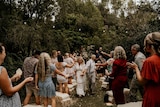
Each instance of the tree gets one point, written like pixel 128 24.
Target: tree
pixel 81 18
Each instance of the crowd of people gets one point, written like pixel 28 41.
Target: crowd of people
pixel 46 73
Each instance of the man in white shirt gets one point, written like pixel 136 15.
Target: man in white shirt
pixel 139 58
pixel 91 74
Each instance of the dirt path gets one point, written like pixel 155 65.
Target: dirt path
pixel 91 100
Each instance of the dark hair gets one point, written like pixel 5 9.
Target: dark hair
pixel 36 52
pixel 60 58
pixel 1 49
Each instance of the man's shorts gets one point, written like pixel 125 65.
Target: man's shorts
pixel 31 89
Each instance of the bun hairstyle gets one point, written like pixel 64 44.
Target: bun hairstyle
pixel 153 39
pixel 60 58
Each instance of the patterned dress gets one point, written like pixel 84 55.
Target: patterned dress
pixel 46 87
pixel 12 101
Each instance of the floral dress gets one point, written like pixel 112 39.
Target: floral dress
pixel 12 101
pixel 46 87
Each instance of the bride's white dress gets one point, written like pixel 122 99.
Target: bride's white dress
pixel 80 79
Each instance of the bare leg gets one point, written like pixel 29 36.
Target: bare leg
pixel 53 101
pixel 45 101
pixel 66 87
pixel 70 80
pixel 37 100
pixel 61 87
pixel 26 100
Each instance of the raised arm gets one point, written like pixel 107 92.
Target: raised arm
pixel 106 54
pixel 102 64
pixel 69 65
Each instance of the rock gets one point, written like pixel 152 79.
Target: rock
pixel 72 86
pixel 61 96
pixel 105 85
pixel 34 105
pixel 102 79
pixel 110 94
pixel 109 105
pixel 131 104
pixel 63 100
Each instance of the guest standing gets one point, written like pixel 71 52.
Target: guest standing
pixel 119 73
pixel 139 58
pixel 43 79
pixel 150 73
pixel 29 65
pixel 9 96
pixel 54 60
pixel 69 71
pixel 61 65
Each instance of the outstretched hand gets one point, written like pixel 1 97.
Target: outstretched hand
pixel 132 65
pixel 29 79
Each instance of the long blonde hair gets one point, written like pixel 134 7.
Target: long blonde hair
pixel 119 53
pixel 43 65
pixel 80 58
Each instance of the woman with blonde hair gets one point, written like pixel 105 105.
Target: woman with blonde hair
pixel 119 73
pixel 79 69
pixel 149 76
pixel 43 78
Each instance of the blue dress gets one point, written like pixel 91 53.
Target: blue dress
pixel 12 101
pixel 46 87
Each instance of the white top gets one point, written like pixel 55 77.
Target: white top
pixel 90 66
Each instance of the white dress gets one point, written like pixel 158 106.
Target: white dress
pixel 60 78
pixel 80 79
pixel 69 71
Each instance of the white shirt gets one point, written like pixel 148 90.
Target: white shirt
pixel 90 66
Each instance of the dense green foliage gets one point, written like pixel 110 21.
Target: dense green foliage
pixel 29 25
